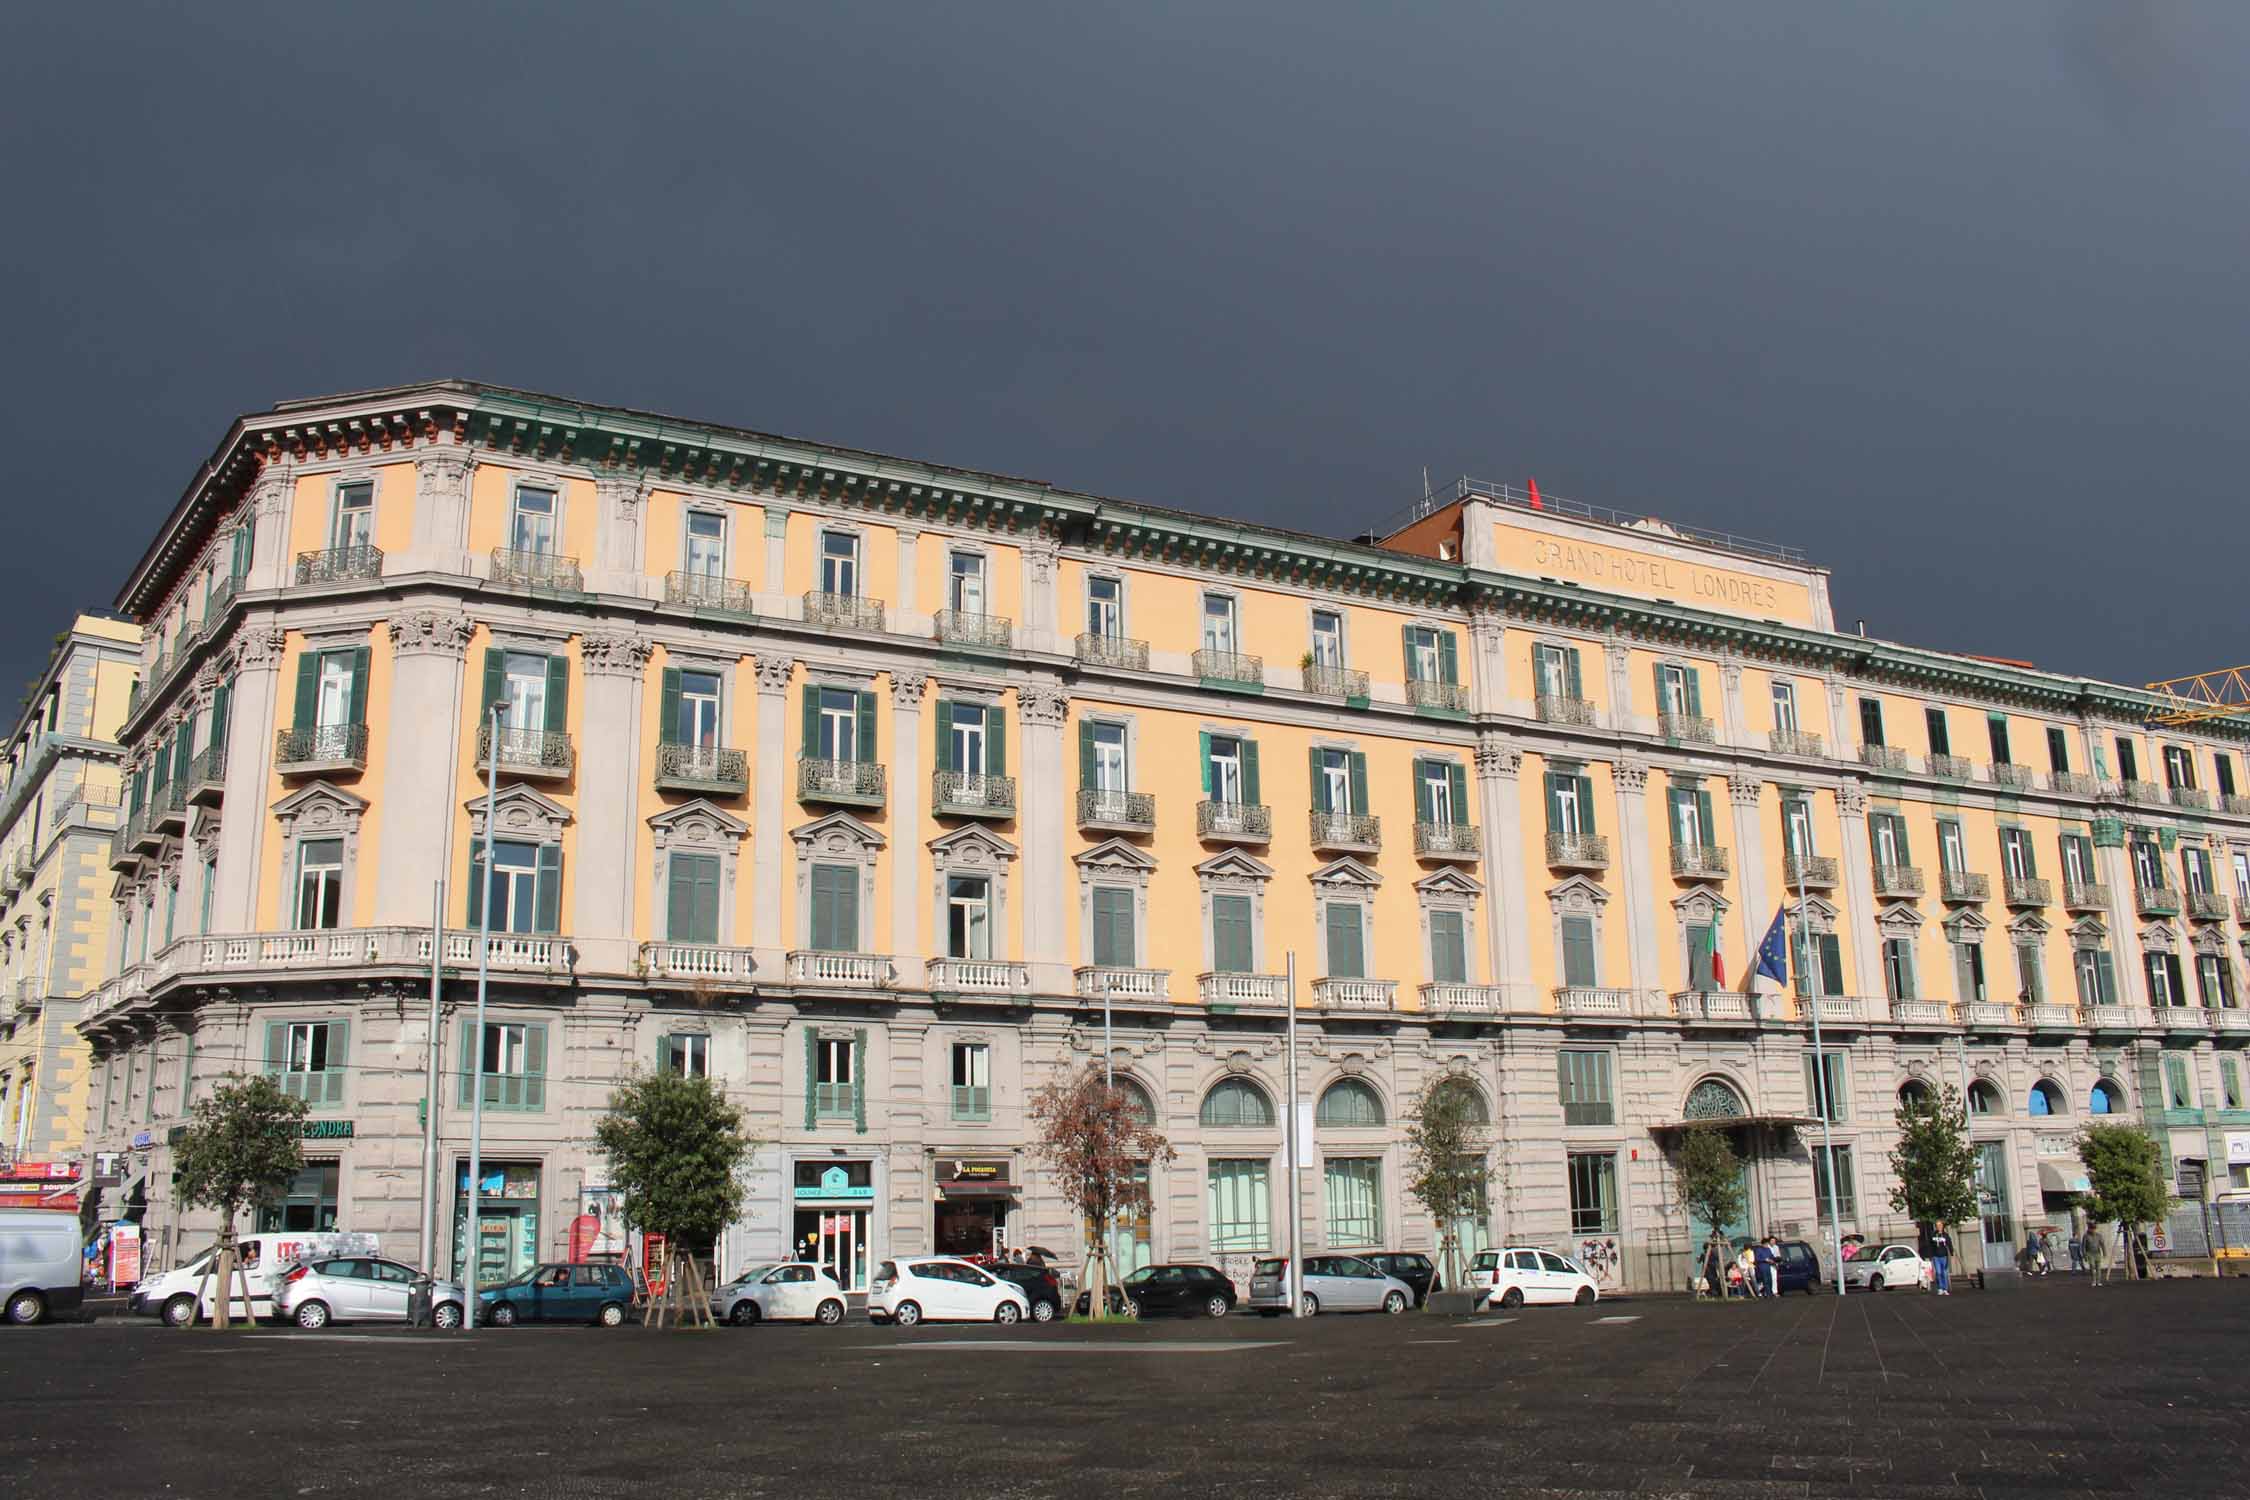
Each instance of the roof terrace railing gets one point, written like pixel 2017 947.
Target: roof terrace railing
pixel 1503 493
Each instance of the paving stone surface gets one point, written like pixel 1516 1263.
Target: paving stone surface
pixel 2057 1388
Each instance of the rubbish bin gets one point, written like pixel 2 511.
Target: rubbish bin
pixel 418 1302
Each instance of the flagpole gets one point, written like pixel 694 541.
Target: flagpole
pixel 1820 1066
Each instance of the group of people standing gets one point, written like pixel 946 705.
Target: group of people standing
pixel 1753 1271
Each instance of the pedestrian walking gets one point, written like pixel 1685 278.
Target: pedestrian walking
pixel 2095 1252
pixel 1941 1259
pixel 2077 1249
pixel 1762 1268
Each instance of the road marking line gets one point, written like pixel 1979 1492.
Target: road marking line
pixel 1620 1318
pixel 1487 1323
pixel 1433 1341
pixel 1080 1346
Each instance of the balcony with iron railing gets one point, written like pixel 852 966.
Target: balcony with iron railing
pixel 696 963
pixel 2009 774
pixel 1691 729
pixel 1564 708
pixel 1898 881
pixel 122 851
pixel 320 750
pixel 1797 742
pixel 1379 995
pixel 167 807
pixel 1232 669
pixel 2073 784
pixel 970 631
pixel 1588 1003
pixel 1335 682
pixel 712 770
pixel 2085 895
pixel 2192 797
pixel 978 976
pixel 1962 886
pixel 969 794
pixel 843 611
pixel 1233 822
pixel 2027 891
pixel 1102 982
pixel 1114 651
pixel 1438 697
pixel 1885 758
pixel 1459 841
pixel 2155 900
pixel 1699 862
pixel 2242 910
pixel 224 589
pixel 1258 991
pixel 339 565
pixel 1952 767
pixel 1346 833
pixel 207 775
pixel 710 594
pixel 1452 999
pixel 1812 871
pixel 1576 851
pixel 2146 792
pixel 822 969
pixel 849 783
pixel 1105 811
pixel 2206 906
pixel 543 754
pixel 529 568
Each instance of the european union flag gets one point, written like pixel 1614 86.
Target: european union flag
pixel 1773 953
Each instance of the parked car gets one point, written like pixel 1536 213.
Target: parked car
pixel 263 1257
pixel 39 1263
pixel 1527 1275
pixel 1891 1267
pixel 914 1287
pixel 794 1291
pixel 1799 1270
pixel 559 1293
pixel 1336 1283
pixel 1039 1283
pixel 358 1289
pixel 1186 1288
pixel 1482 1270
pixel 1415 1269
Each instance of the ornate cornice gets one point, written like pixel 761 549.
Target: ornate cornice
pixel 773 672
pixel 1498 758
pixel 613 655
pixel 432 632
pixel 1630 776
pixel 1045 706
pixel 1745 790
pixel 907 689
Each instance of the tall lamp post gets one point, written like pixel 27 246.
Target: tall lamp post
pixel 1820 1068
pixel 470 1237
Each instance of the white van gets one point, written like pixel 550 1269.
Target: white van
pixel 40 1264
pixel 171 1295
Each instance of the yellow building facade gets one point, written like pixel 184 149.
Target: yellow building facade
pixel 876 790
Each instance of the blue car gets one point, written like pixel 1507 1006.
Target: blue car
pixel 559 1293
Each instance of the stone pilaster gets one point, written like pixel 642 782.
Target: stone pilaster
pixel 1858 881
pixel 620 498
pixel 1752 914
pixel 1042 818
pixel 909 574
pixel 907 798
pixel 1488 691
pixel 2116 865
pixel 420 760
pixel 255 706
pixel 1041 563
pixel 768 839
pixel 1637 877
pixel 1507 935
pixel 1621 714
pixel 774 585
pixel 440 536
pixel 609 771
pixel 1732 729
pixel 270 494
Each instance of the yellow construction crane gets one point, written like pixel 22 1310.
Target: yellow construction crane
pixel 2206 695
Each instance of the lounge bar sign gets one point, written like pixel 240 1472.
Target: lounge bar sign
pixel 835 1183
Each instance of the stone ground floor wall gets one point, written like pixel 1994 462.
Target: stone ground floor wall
pixel 894 1167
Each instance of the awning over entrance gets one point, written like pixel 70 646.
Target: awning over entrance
pixel 960 1178
pixel 2061 1177
pixel 955 1192
pixel 1732 1122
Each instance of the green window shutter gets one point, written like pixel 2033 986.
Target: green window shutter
pixel 866 731
pixel 1703 816
pixel 1250 773
pixel 495 681
pixel 810 748
pixel 1406 643
pixel 668 715
pixel 547 909
pixel 1700 938
pixel 535 1066
pixel 222 704
pixel 1449 949
pixel 2106 967
pixel 1831 963
pixel 1203 757
pixel 1788 831
pixel 944 717
pixel 308 689
pixel 812 1076
pixel 706 908
pixel 1319 782
pixel 1457 780
pixel 1448 658
pixel 465 1063
pixel 183 750
pixel 558 694
pixel 1674 796
pixel 1578 952
pixel 995 740
pixel 679 899
pixel 277 1045
pixel 1359 783
pixel 1423 812
pixel 1113 928
pixel 245 543
pixel 1571 680
pixel 1586 805
pixel 358 711
pixel 1230 934
pixel 476 882
pixel 1554 800
pixel 820 930
pixel 1898 829
pixel 329 1088
pixel 1347 941
pixel 859 1080
pixel 1085 754
pixel 1694 693
pixel 1660 688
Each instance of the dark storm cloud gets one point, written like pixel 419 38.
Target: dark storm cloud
pixel 1949 296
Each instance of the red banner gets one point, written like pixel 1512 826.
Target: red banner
pixel 652 1262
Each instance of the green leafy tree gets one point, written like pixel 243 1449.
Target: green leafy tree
pixel 676 1149
pixel 1710 1176
pixel 243 1143
pixel 1096 1141
pixel 1446 1167
pixel 1934 1164
pixel 2125 1180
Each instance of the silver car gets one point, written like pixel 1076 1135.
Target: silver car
pixel 796 1290
pixel 358 1289
pixel 1333 1283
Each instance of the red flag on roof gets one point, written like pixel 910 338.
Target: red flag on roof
pixel 1535 505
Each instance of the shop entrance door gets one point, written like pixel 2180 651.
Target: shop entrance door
pixel 837 1238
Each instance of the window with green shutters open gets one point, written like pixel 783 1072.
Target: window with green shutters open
pixel 1449 948
pixel 2213 986
pixel 2222 766
pixel 1827 1086
pixel 687 1054
pixel 2058 751
pixel 308 1059
pixel 1230 770
pixel 1433 667
pixel 1702 943
pixel 1996 730
pixel 1898 969
pixel 1887 833
pixel 526 887
pixel 1578 961
pixel 1953 849
pixel 2164 979
pixel 2030 987
pixel 1555 672
pixel 1692 824
pixel 2015 854
pixel 2096 974
pixel 1797 829
pixel 1582 1075
pixel 1570 804
pixel 972 739
pixel 2077 859
pixel 514 1055
pixel 1823 973
pixel 1968 967
pixel 1339 782
pixel 1441 793
pixel 533 689
pixel 1679 691
pixel 1346 926
pixel 834 893
pixel 691 898
pixel 839 724
pixel 691 708
pixel 2128 760
pixel 2178 1092
pixel 1232 951
pixel 1114 943
pixel 330 722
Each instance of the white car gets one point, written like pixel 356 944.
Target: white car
pixel 1523 1274
pixel 914 1287
pixel 358 1289
pixel 1891 1267
pixel 796 1290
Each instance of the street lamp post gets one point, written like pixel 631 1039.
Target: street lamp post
pixel 470 1238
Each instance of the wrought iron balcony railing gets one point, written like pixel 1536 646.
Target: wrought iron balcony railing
pixel 1885 758
pixel 1234 822
pixel 1230 668
pixel 702 768
pixel 1797 742
pixel 1577 851
pixel 207 775
pixel 2027 890
pixel 2073 784
pixel 527 568
pixel 2191 797
pixel 2234 804
pixel 2141 791
pixel 843 611
pixel 2008 773
pixel 1561 708
pixel 2206 906
pixel 1898 880
pixel 1335 682
pixel 977 632
pixel 2156 901
pixel 339 565
pixel 1699 862
pixel 1447 841
pixel 705 591
pixel 1687 728
pixel 223 591
pixel 1348 832
pixel 1813 871
pixel 858 783
pixel 1116 812
pixel 971 795
pixel 1113 651
pixel 528 752
pixel 1954 767
pixel 1964 886
pixel 321 747
pixel 2085 895
pixel 1446 697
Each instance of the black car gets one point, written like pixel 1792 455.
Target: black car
pixel 1038 1283
pixel 1412 1267
pixel 1190 1290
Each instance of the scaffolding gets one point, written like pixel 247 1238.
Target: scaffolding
pixel 2206 695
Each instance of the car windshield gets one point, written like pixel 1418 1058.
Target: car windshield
pixel 751 1275
pixel 1268 1268
pixel 1143 1274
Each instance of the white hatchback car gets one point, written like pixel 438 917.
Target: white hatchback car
pixel 1891 1267
pixel 795 1290
pixel 1522 1274
pixel 358 1289
pixel 914 1287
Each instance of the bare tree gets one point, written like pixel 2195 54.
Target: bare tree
pixel 244 1142
pixel 1445 1162
pixel 1094 1138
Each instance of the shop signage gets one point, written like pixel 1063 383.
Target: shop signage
pixel 40 1171
pixel 109 1164
pixel 836 1182
pixel 124 1254
pixel 2238 1148
pixel 988 1173
pixel 327 1130
pixel 144 1140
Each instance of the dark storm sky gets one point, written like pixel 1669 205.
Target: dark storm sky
pixel 1950 295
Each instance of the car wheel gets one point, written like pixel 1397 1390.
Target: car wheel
pixel 829 1313
pixel 1007 1313
pixel 1512 1298
pixel 907 1314
pixel 1875 1282
pixel 1312 1305
pixel 612 1315
pixel 1585 1297
pixel 503 1316
pixel 1042 1312
pixel 446 1315
pixel 312 1314
pixel 743 1314
pixel 180 1311
pixel 1394 1302
pixel 1216 1307
pixel 26 1307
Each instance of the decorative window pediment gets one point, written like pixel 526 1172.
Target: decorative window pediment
pixel 2088 932
pixel 1447 883
pixel 2158 937
pixel 1899 922
pixel 1114 856
pixel 972 848
pixel 1966 927
pixel 1233 867
pixel 2028 928
pixel 1345 875
pixel 699 824
pixel 520 813
pixel 1577 896
pixel 1813 915
pixel 839 835
pixel 321 808
pixel 2209 940
pixel 1700 907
